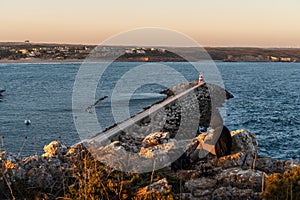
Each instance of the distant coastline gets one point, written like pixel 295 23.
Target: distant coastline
pixel 6 61
pixel 25 52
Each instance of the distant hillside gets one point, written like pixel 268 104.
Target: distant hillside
pixel 254 54
pixel 12 51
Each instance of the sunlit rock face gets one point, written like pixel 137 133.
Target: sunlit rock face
pixel 54 148
pixel 240 175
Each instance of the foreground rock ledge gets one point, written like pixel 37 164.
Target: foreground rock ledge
pixel 241 175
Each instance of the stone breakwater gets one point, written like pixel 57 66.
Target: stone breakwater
pixel 174 125
pixel 225 167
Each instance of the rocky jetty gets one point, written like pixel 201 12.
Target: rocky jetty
pixel 176 124
pixel 215 164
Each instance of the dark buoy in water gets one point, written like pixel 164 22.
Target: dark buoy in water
pixel 27 122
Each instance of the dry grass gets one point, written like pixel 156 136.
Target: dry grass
pixel 283 186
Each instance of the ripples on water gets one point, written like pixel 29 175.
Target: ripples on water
pixel 266 102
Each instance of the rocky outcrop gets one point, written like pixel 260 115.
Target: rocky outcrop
pixel 182 117
pixel 240 175
pixel 216 142
pixel 173 127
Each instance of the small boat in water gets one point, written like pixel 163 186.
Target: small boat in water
pixel 27 122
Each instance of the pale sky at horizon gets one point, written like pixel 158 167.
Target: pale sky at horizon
pixel 262 23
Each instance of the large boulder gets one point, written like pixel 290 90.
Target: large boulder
pixel 244 141
pixel 216 142
pixel 156 152
pixel 243 152
pixel 224 143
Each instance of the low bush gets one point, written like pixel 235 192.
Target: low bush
pixel 283 186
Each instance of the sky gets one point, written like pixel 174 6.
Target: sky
pixel 253 23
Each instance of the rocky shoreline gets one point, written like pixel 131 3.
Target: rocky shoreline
pixel 224 167
pixel 240 175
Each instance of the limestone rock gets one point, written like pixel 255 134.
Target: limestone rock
pixel 217 142
pixel 271 165
pixel 207 168
pixel 114 149
pixel 203 193
pixel 242 194
pixel 118 154
pixel 163 154
pixel 237 177
pixel 200 183
pixel 195 150
pixel 156 138
pixel 244 141
pixel 54 148
pixel 160 187
pixel 244 151
pixel 227 177
pixel 233 193
pixel 224 143
pixel 76 149
pixel 233 160
pixel 157 150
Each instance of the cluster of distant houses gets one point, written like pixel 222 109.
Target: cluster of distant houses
pixel 281 59
pixel 142 51
pixel 47 52
pixel 260 58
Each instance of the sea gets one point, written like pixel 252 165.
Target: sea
pixel 266 102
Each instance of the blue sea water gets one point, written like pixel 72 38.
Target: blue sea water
pixel 267 102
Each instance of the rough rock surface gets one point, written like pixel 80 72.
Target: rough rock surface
pixel 54 148
pixel 171 129
pixel 181 118
pixel 156 138
pixel 160 187
pixel 229 177
pixel 217 142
